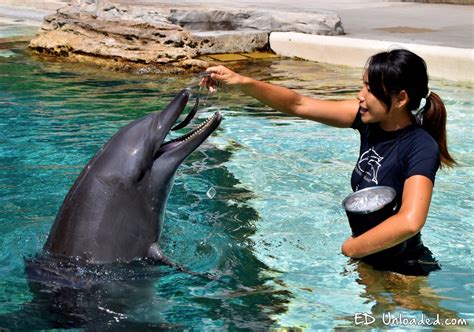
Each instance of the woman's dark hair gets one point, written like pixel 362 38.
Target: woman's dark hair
pixel 391 72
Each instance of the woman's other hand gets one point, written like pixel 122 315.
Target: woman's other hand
pixel 346 248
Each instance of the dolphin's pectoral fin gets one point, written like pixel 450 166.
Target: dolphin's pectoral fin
pixel 156 255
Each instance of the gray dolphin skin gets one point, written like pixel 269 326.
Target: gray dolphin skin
pixel 114 212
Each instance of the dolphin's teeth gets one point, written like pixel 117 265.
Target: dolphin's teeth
pixel 194 132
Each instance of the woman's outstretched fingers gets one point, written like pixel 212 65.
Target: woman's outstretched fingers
pixel 224 75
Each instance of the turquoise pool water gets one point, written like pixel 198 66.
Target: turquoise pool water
pixel 274 228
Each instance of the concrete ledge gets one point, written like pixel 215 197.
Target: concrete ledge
pixel 443 62
pixel 454 2
pixel 31 14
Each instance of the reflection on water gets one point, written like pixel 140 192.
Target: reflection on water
pixel 272 230
pixel 392 292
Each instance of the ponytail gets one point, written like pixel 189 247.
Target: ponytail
pixel 434 122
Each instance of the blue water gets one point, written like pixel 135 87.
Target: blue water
pixel 272 231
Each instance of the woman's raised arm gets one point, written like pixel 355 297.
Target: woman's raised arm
pixel 334 113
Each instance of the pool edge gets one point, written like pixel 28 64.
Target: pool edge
pixel 443 62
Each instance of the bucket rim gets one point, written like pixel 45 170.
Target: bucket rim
pixel 390 189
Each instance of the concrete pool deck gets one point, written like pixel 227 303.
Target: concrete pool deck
pixel 443 34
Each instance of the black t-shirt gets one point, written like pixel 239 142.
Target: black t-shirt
pixel 388 158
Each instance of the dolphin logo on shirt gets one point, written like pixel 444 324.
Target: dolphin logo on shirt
pixel 369 164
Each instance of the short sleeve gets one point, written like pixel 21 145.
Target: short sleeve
pixel 423 158
pixel 357 124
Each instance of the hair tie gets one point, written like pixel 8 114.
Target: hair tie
pixel 419 113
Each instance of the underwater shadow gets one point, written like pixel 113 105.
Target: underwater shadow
pixel 220 229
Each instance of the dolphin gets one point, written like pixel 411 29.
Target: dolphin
pixel 114 212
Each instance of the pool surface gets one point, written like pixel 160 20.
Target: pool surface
pixel 259 204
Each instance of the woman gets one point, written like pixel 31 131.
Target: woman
pixel 406 142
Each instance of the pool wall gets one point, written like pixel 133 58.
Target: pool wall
pixel 443 62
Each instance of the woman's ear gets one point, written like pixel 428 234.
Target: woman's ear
pixel 402 99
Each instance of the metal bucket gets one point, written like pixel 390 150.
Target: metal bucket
pixel 367 208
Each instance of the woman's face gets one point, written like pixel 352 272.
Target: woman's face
pixel 372 109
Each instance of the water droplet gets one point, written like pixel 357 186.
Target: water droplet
pixel 211 193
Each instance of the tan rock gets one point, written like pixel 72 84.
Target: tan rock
pixel 134 35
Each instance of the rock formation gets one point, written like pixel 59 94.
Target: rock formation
pixel 123 35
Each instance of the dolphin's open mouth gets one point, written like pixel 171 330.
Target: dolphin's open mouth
pixel 195 137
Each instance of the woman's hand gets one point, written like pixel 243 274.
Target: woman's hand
pixel 220 74
pixel 346 247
